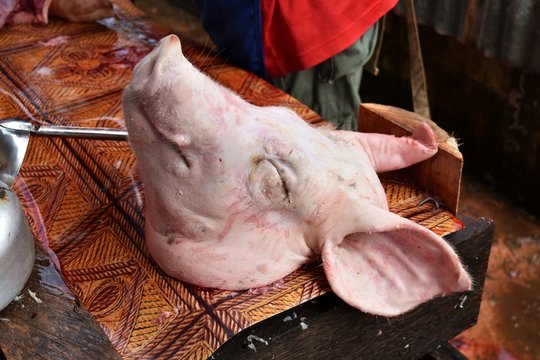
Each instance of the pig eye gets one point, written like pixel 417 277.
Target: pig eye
pixel 272 182
pixel 283 180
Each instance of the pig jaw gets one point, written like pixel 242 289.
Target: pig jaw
pixel 241 260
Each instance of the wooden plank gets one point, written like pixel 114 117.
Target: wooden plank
pixel 439 175
pixel 327 328
pixel 445 352
pixel 57 328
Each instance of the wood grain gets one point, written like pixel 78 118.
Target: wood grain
pixel 439 175
pixel 334 330
pixel 58 327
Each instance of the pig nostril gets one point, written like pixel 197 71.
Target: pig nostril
pixel 151 62
pixel 170 41
pixel 173 39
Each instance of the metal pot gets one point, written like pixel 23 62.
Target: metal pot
pixel 17 250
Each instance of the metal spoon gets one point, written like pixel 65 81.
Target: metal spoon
pixel 15 133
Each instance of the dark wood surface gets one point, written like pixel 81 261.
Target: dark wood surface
pixel 444 352
pixel 57 328
pixel 328 328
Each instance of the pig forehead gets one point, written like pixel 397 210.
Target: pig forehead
pixel 284 128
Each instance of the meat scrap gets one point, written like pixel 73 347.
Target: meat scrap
pixel 38 11
pixel 21 12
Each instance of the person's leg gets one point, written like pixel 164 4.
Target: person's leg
pixel 332 88
pixel 336 102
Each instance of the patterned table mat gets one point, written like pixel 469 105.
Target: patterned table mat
pixel 84 200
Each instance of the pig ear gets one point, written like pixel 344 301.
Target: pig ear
pixel 387 152
pixel 393 268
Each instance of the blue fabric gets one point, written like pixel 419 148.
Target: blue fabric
pixel 235 26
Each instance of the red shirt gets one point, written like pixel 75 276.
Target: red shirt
pixel 301 34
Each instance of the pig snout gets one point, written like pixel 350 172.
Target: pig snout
pixel 156 64
pixel 239 196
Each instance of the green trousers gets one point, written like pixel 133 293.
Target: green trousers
pixel 332 88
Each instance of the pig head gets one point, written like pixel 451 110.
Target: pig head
pixel 239 196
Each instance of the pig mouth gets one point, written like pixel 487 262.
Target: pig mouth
pixel 176 147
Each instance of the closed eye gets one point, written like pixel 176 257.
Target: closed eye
pixel 283 179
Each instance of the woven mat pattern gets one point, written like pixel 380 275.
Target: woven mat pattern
pixel 85 203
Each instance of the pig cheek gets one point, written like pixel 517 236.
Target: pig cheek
pixel 321 219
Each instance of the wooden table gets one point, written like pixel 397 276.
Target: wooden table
pixel 84 203
pixel 322 328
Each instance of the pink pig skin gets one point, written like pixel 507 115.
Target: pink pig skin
pixel 239 196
